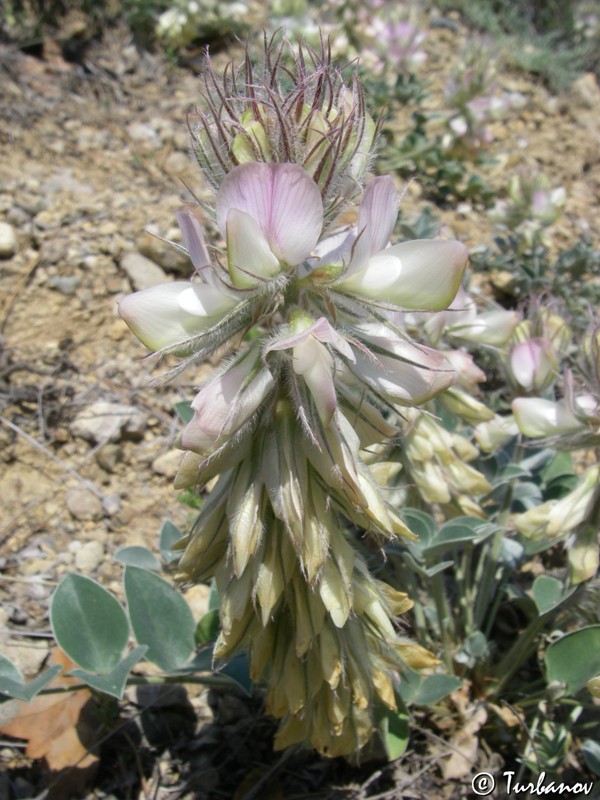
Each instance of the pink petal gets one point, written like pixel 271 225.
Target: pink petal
pixel 469 374
pixel 321 330
pixel 532 362
pixel 283 199
pixel 400 368
pixel 193 239
pixel 225 403
pixel 314 362
pixel 376 219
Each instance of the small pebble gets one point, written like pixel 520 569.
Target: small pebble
pixel 109 456
pixel 83 504
pixel 106 422
pixel 65 284
pixel 8 240
pixel 167 464
pixel 142 272
pixel 111 504
pixel 89 557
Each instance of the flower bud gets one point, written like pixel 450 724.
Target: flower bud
pixel 318 121
pixel 492 434
pixel 583 554
pixel 466 406
pixel 555 329
pixel 591 353
pixel 252 143
pixel 557 518
pixel 533 364
pixel 593 687
pixel 226 402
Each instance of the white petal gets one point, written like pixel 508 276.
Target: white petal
pixel 418 375
pixel 422 274
pixel 538 417
pixel 204 301
pixel 249 255
pixel 491 327
pixel 158 320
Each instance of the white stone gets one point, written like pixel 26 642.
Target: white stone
pixel 89 557
pixel 586 92
pixel 83 504
pixel 107 422
pixel 144 134
pixel 168 463
pixel 142 272
pixel 112 504
pixel 8 240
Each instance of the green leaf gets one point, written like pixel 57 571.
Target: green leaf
pixel 167 538
pixel 560 487
pixel 511 552
pixel 113 683
pixel 137 556
pixel 528 493
pixel 160 618
pixel 201 662
pixel 88 623
pixel 395 731
pixel 431 571
pixel 208 628
pixel 13 686
pixel 427 689
pixel 509 473
pixel 420 523
pixel 458 532
pixel 477 644
pixel 237 672
pixel 560 465
pixel 184 411
pixel 591 754
pixel 10 671
pixel 547 593
pixel 575 658
pixel 538 459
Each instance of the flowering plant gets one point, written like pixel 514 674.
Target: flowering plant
pixel 318 366
pixel 185 21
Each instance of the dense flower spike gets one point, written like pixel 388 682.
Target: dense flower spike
pixel 318 122
pixel 320 373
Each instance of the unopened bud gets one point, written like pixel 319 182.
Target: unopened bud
pixel 583 554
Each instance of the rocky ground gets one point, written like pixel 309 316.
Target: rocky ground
pixel 94 159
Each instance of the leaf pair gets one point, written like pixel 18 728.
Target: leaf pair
pixel 93 628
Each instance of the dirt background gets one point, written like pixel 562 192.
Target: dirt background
pixel 93 154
